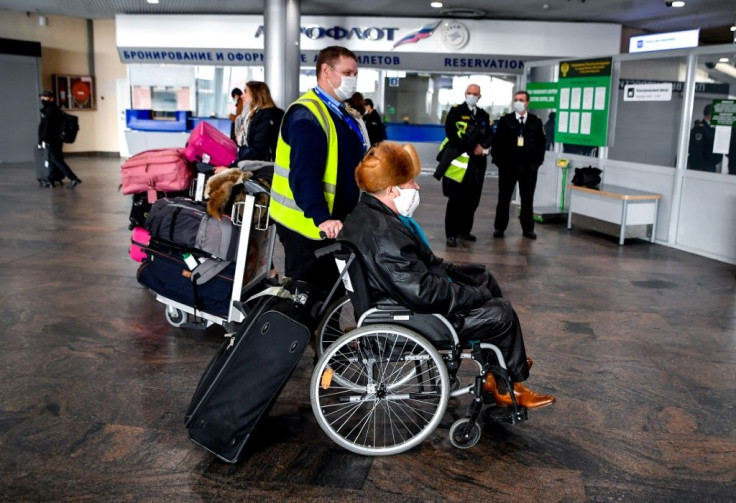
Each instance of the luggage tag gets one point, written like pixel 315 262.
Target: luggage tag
pixel 152 195
pixel 190 261
pixel 520 141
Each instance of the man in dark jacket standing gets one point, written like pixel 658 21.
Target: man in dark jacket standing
pixel 373 123
pixel 401 267
pixel 518 151
pixel 462 164
pixel 700 149
pixel 49 132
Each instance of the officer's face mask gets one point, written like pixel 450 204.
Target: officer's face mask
pixel 519 107
pixel 407 201
pixel 471 100
pixel 347 87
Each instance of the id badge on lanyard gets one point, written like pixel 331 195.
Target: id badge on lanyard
pixel 519 141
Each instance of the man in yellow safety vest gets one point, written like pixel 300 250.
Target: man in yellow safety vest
pixel 314 187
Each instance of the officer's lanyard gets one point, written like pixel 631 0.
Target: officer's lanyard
pixel 522 123
pixel 342 113
pixel 520 138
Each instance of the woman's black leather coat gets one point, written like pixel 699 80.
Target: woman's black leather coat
pixel 398 261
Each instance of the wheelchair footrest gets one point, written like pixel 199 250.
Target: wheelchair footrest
pixel 505 414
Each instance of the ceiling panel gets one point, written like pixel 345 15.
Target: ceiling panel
pixel 713 16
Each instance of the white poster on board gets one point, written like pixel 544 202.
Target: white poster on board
pixel 575 99
pixel 722 140
pixel 562 122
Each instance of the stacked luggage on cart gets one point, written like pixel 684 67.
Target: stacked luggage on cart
pixel 198 258
pixel 205 244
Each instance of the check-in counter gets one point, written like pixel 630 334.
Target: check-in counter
pixel 148 130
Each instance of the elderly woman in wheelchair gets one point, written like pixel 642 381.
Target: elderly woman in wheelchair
pixel 383 387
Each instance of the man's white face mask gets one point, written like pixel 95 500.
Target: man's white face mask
pixel 347 88
pixel 407 201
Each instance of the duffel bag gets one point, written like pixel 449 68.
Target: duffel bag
pixel 160 170
pixel 185 223
pixel 165 272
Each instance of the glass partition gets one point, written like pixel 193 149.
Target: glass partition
pixel 648 104
pixel 712 139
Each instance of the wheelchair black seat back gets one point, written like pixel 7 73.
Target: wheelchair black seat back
pixel 385 374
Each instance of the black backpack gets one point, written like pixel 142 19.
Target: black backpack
pixel 587 177
pixel 69 127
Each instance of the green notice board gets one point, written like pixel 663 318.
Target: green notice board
pixel 724 113
pixel 542 95
pixel 584 93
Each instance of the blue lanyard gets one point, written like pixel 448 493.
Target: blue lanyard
pixel 342 113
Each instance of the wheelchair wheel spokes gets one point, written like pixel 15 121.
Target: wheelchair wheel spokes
pixel 380 389
pixel 339 319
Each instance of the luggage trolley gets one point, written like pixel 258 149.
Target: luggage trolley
pixel 179 314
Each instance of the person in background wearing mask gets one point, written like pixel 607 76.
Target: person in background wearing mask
pixel 518 151
pixel 314 188
pixel 462 164
pixel 49 132
pixel 401 267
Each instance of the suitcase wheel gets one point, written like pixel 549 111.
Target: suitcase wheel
pixel 176 317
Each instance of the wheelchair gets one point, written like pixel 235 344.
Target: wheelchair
pixel 386 374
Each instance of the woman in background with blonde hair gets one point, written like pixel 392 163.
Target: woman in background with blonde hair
pixel 258 129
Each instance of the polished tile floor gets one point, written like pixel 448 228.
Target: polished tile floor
pixel 638 343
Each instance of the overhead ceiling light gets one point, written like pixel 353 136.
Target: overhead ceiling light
pixel 463 12
pixel 733 28
pixel 675 3
pixel 152 1
pixel 436 5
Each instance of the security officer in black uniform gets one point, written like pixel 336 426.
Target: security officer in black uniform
pixel 518 151
pixel 700 150
pixel 462 164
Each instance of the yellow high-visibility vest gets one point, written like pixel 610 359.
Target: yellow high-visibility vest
pixel 458 167
pixel 282 207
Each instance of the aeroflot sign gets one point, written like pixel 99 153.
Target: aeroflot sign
pixel 400 43
pixel 339 33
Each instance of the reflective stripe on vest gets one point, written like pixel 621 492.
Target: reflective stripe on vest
pixel 458 167
pixel 282 206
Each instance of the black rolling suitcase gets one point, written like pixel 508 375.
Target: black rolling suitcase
pixel 246 376
pixel 46 173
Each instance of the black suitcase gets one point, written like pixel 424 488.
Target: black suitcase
pixel 246 376
pixel 166 273
pixel 47 174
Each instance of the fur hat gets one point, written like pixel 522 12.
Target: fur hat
pixel 387 164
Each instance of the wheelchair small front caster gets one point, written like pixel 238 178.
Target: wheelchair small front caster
pixel 464 434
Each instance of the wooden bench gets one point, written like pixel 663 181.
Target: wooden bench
pixel 617 205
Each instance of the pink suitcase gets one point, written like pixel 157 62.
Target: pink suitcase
pixel 139 240
pixel 207 144
pixel 162 170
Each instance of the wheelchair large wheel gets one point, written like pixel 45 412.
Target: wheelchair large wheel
pixel 369 405
pixel 339 319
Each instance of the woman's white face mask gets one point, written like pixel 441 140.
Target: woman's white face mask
pixel 407 201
